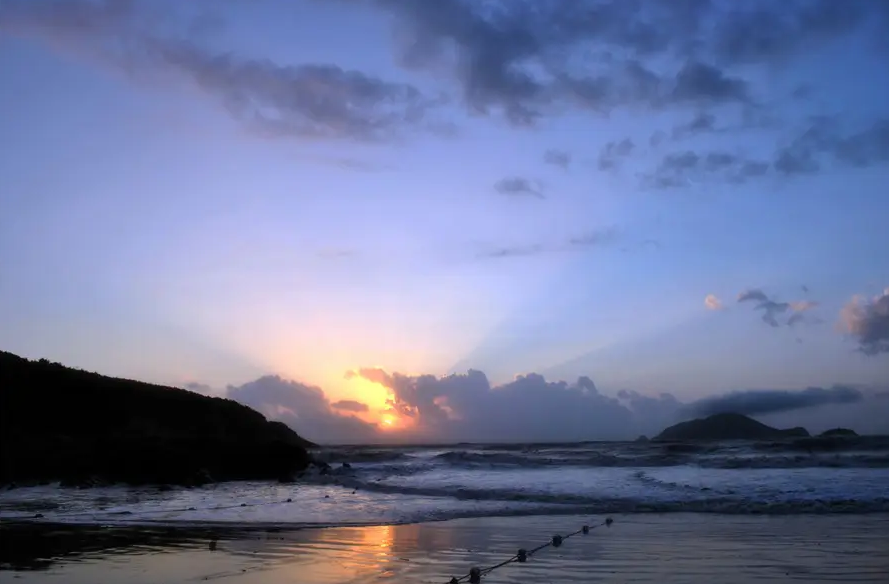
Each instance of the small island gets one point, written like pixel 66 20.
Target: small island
pixel 80 428
pixel 727 427
pixel 839 433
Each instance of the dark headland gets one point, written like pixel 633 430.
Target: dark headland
pixel 63 424
pixel 727 427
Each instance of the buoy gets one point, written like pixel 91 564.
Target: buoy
pixel 522 556
pixel 475 576
pixel 557 540
pixel 585 529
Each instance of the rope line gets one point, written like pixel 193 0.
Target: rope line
pixel 475 574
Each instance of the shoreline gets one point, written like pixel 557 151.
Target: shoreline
pixel 648 547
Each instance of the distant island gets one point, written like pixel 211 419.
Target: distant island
pixel 63 424
pixel 727 427
pixel 839 433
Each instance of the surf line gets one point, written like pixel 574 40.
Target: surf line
pixel 475 574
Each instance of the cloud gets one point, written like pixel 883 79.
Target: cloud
pixel 703 122
pixel 465 407
pixel 867 321
pixel 513 59
pixel 560 158
pixel 527 59
pixel 823 144
pixel 350 405
pixel 773 310
pixel 513 251
pixel 713 303
pixel 519 187
pixel 315 101
pixel 759 402
pixel 757 32
pixel 597 237
pixel 613 153
pixel 304 408
pixel 703 83
pixel 593 238
pixel 686 168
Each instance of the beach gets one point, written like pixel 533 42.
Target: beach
pixel 636 548
pixel 683 512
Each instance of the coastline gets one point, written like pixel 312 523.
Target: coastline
pixel 678 547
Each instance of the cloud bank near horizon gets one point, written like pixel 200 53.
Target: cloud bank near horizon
pixel 467 408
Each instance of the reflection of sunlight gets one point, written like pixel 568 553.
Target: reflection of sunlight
pixel 348 554
pixel 379 537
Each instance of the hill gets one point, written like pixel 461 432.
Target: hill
pixel 60 423
pixel 839 433
pixel 727 427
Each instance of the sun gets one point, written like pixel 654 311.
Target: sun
pixel 388 421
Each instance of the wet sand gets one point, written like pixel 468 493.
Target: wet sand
pixel 713 549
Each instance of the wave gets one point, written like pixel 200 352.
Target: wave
pixel 360 455
pixel 491 460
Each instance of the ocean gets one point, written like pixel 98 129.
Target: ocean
pixel 408 484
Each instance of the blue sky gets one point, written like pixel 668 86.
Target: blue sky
pixel 209 194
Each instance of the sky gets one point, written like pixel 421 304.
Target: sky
pixel 401 220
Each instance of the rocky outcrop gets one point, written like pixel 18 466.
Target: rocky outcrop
pixel 82 428
pixel 727 427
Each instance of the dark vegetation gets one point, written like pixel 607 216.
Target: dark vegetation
pixel 727 427
pixel 82 428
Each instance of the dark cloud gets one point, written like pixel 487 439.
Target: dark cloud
pixel 702 123
pixel 674 171
pixel 759 402
pixel 350 405
pixel 749 169
pixel 519 187
pixel 703 83
pixel 761 31
pixel 823 143
pixel 527 58
pixel 685 168
pixel 773 311
pixel 515 57
pixel 303 407
pixel 867 321
pixel 715 161
pixel 317 101
pixel 613 153
pixel 560 158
